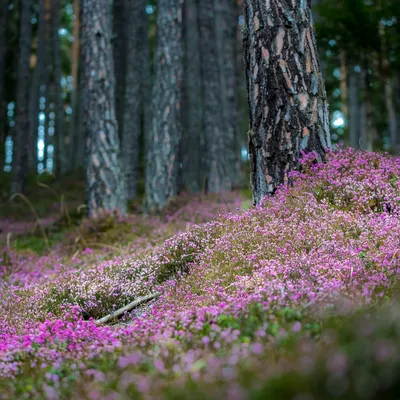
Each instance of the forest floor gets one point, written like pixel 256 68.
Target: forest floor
pixel 294 299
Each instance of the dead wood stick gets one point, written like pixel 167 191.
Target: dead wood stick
pixel 126 308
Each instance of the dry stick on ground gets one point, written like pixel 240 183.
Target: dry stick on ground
pixel 127 308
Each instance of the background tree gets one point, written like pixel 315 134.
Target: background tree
pixel 163 156
pixel 3 49
pixel 105 191
pixel 216 163
pixel 192 148
pixel 22 129
pixel 62 148
pixel 287 99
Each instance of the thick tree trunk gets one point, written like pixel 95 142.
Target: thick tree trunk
pixel 105 188
pixel 61 145
pixel 192 149
pixel 3 51
pixel 163 157
pixel 217 170
pixel 135 14
pixel 119 42
pixel 40 77
pixel 354 108
pixel 287 99
pixel 22 133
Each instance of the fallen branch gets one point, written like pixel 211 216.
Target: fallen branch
pixel 127 308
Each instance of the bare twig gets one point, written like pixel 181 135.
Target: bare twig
pixel 127 308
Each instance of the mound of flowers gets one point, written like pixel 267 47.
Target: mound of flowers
pixel 256 303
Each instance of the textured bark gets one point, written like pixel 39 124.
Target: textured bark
pixel 3 50
pixel 215 160
pixel 40 77
pixel 61 145
pixel 22 134
pixel 192 148
pixel 226 20
pixel 119 53
pixel 135 35
pixel 163 162
pixel 286 93
pixel 105 188
pixel 354 108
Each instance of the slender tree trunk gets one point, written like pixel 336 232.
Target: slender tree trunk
pixel 365 143
pixel 192 148
pixel 135 13
pixel 354 108
pixel 163 158
pixel 392 118
pixel 22 132
pixel 61 145
pixel 40 76
pixel 74 128
pixel 105 188
pixel 287 99
pixel 3 51
pixel 343 85
pixel 217 169
pixel 119 52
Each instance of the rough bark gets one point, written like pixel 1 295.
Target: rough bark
pixel 22 133
pixel 286 93
pixel 61 145
pixel 192 148
pixel 119 42
pixel 135 35
pixel 40 76
pixel 215 160
pixel 163 158
pixel 105 188
pixel 3 50
pixel 354 108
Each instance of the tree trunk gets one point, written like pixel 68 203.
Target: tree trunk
pixel 217 169
pixel 119 42
pixel 3 51
pixel 61 145
pixel 105 188
pixel 135 13
pixel 286 92
pixel 163 157
pixel 192 148
pixel 354 108
pixel 392 118
pixel 75 130
pixel 22 132
pixel 226 20
pixel 40 77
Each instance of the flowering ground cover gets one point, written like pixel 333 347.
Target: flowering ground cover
pixel 293 299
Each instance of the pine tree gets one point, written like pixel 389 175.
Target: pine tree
pixel 105 186
pixel 286 92
pixel 163 156
pixel 22 133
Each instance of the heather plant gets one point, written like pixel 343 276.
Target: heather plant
pixel 292 299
